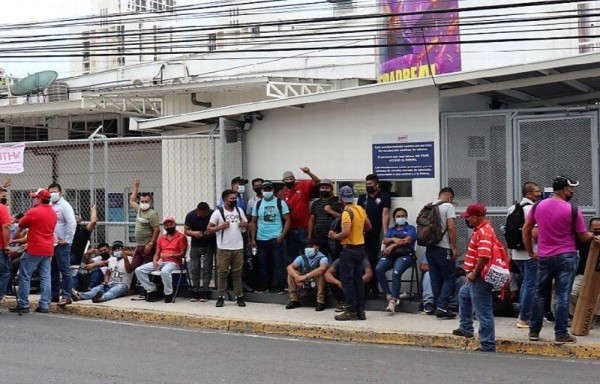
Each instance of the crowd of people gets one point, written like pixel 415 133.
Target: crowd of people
pixel 282 242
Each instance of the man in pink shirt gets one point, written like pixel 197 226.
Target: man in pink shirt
pixel 40 222
pixel 558 223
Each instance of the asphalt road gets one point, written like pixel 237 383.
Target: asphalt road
pixel 51 348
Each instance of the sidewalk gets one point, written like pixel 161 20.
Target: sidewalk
pixel 380 327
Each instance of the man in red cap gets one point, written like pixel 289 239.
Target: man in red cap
pixel 476 294
pixel 40 222
pixel 170 251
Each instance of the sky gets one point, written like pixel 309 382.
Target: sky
pixel 19 11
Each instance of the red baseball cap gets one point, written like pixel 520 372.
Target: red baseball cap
pixel 475 209
pixel 41 193
pixel 169 219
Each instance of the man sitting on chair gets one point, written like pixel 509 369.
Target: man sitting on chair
pixel 170 251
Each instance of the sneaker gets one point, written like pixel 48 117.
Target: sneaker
pixel 240 301
pixel 247 289
pixel 404 296
pixel 283 292
pixel 460 332
pixel 153 296
pixel 75 295
pixel 429 308
pixel 549 317
pixel 346 315
pixel 65 301
pixel 18 309
pixel 361 315
pixel 522 324
pixel 220 301
pixel 445 314
pixel 293 304
pixel 391 307
pixel 320 307
pixel 340 307
pixel 565 339
pixel 98 297
pixel 169 298
pixel 534 336
pixel 41 310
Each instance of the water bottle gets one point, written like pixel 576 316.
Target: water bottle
pixel 254 251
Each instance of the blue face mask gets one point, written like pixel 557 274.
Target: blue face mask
pixel 400 221
pixel 268 195
pixel 310 252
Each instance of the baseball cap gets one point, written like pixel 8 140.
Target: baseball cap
pixel 267 184
pixel 239 180
pixel 475 209
pixel 169 219
pixel 41 193
pixel 287 174
pixel 325 182
pixel 346 194
pixel 561 182
pixel 117 244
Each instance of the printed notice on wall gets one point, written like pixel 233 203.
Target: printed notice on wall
pixel 403 160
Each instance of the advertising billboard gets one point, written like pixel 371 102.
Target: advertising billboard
pixel 421 39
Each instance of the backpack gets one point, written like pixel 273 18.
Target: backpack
pixel 497 271
pixel 279 207
pixel 335 247
pixel 237 209
pixel 429 225
pixel 513 230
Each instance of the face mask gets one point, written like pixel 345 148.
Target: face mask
pixel 105 255
pixel 309 252
pixel 3 201
pixel 170 231
pixel 54 197
pixel 241 189
pixel 144 206
pixel 569 197
pixel 468 224
pixel 289 184
pixel 258 190
pixel 324 194
pixel 117 254
pixel 371 190
pixel 233 203
pixel 400 220
pixel 268 195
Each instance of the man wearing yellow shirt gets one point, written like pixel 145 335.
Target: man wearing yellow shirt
pixel 354 224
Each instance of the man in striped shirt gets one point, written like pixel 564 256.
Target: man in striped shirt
pixel 476 294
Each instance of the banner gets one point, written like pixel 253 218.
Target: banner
pixel 411 41
pixel 403 160
pixel 11 158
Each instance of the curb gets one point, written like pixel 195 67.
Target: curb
pixel 346 334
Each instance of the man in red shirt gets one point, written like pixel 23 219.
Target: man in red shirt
pixel 170 251
pixel 476 294
pixel 40 222
pixel 297 196
pixel 5 221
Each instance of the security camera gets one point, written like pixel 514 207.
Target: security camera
pixel 259 116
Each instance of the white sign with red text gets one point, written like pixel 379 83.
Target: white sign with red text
pixel 11 158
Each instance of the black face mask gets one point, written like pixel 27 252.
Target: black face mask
pixel 3 201
pixel 569 197
pixel 258 190
pixel 468 224
pixel 233 203
pixel 371 190
pixel 170 231
pixel 290 184
pixel 324 194
pixel 105 255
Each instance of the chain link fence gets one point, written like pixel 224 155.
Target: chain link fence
pixel 179 171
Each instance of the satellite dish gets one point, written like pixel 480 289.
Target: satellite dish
pixel 33 83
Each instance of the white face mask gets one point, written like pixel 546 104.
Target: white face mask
pixel 144 206
pixel 117 254
pixel 54 197
pixel 241 189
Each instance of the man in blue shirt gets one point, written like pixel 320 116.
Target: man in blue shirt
pixel 307 271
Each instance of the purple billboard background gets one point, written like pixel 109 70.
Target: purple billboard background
pixel 409 58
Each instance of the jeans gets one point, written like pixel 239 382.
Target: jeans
pixel 528 270
pixel 61 271
pixel 227 258
pixel 201 266
pixel 351 272
pixel 399 265
pixel 26 268
pixel 294 243
pixel 477 295
pixel 442 272
pixel 5 267
pixel 428 292
pixel 270 257
pixel 143 274
pixel 112 291
pixel 562 269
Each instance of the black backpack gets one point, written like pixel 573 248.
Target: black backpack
pixel 279 207
pixel 335 248
pixel 429 225
pixel 513 229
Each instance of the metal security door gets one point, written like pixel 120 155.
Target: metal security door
pixel 558 145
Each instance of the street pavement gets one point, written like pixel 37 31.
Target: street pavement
pixel 380 327
pixel 65 349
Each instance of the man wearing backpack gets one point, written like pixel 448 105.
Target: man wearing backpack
pixel 270 224
pixel 441 249
pixel 307 272
pixel 323 212
pixel 476 294
pixel 514 240
pixel 558 224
